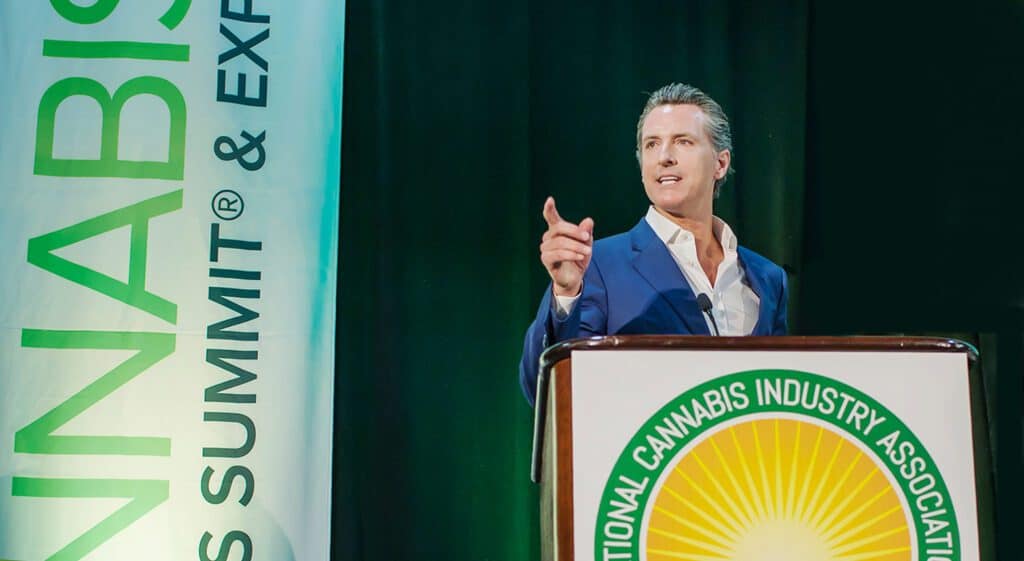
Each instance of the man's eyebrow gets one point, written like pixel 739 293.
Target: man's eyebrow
pixel 676 135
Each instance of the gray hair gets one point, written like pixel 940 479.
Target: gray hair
pixel 716 125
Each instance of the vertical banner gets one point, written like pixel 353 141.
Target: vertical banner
pixel 168 234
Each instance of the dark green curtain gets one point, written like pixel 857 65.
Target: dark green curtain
pixel 872 148
pixel 432 436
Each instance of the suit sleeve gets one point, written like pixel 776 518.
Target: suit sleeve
pixel 781 326
pixel 587 318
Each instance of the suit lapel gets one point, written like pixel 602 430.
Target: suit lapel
pixel 760 285
pixel 655 264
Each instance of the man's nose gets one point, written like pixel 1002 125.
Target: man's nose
pixel 665 156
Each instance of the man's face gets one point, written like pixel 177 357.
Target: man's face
pixel 678 162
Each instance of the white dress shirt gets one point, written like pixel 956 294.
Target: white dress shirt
pixel 733 303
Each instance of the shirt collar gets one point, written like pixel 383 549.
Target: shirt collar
pixel 670 233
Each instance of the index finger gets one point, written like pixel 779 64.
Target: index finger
pixel 550 212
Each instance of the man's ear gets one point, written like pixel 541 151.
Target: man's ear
pixel 724 161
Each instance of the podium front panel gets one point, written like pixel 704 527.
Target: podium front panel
pixel 727 454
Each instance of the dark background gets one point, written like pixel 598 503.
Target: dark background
pixel 878 160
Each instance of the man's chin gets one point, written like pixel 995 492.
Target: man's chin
pixel 678 207
pixel 678 202
pixel 674 205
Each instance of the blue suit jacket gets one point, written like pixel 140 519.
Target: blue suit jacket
pixel 634 286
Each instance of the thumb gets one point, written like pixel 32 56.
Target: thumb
pixel 588 226
pixel 550 212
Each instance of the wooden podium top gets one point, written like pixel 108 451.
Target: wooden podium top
pixel 562 350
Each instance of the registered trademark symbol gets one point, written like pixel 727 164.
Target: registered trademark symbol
pixel 227 204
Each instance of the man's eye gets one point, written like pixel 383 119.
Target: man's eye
pixel 649 144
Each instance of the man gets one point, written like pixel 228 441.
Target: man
pixel 649 280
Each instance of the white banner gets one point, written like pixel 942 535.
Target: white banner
pixel 168 235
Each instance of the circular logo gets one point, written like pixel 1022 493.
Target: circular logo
pixel 775 465
pixel 227 204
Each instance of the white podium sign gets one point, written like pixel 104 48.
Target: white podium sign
pixel 706 455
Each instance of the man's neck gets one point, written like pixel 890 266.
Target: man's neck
pixel 700 225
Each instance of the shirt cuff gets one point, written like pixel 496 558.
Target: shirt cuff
pixel 563 305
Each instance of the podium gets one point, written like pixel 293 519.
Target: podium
pixel 664 448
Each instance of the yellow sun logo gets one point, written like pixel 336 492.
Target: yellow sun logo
pixel 777 490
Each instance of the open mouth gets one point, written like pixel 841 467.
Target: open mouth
pixel 668 179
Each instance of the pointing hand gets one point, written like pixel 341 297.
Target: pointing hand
pixel 565 250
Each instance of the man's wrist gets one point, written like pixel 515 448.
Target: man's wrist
pixel 566 292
